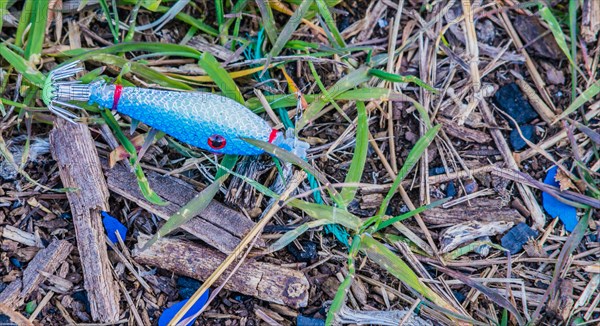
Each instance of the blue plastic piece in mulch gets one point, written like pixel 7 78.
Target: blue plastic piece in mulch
pixel 308 321
pixel 16 262
pixel 567 214
pixel 517 237
pixel 112 225
pixel 450 189
pixel 170 312
pixel 187 286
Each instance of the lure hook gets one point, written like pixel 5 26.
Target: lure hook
pixel 58 90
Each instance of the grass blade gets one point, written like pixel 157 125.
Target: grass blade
pixel 3 11
pixel 268 20
pixel 401 79
pixel 349 81
pixel 148 193
pixel 111 23
pixel 24 21
pixel 213 68
pixel 292 235
pixel 359 157
pixel 364 94
pixel 292 158
pixel 22 66
pixel 186 212
pixel 153 47
pixel 340 296
pixel 493 295
pixel 141 70
pixel 411 160
pixel 289 28
pixel 556 30
pixel 407 215
pixel 331 214
pixel 394 265
pixel 326 14
pixel 587 95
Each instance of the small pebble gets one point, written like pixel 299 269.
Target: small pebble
pixel 471 186
pixel 516 142
pixel 5 320
pixel 81 296
pixel 306 254
pixel 510 100
pixel 187 286
pixel 459 296
pixel 308 321
pixel 517 237
pixel 437 170
pixel 382 23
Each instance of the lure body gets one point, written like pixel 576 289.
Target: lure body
pixel 209 121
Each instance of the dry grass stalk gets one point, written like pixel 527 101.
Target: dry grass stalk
pixel 473 54
pixel 536 102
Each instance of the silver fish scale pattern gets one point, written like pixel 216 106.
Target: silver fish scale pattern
pixel 191 117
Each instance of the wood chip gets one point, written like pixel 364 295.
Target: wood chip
pixel 74 149
pixel 480 210
pixel 217 225
pixel 467 232
pixel 46 261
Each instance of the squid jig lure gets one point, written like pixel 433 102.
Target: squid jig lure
pixel 205 120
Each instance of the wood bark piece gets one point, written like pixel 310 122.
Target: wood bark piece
pixel 461 132
pixel 480 210
pixel 463 233
pixel 590 20
pixel 15 317
pixel 217 225
pixel 264 281
pixel 73 148
pixel 45 261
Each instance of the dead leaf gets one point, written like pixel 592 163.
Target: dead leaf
pixel 531 30
pixel 120 153
pixel 563 179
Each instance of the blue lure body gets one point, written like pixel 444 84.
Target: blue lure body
pixel 195 118
pixel 205 120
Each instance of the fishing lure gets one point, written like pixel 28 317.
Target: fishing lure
pixel 205 120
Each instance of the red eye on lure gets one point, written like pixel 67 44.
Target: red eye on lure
pixel 216 141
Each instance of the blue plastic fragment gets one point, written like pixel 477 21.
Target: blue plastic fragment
pixel 16 262
pixel 517 237
pixel 170 312
pixel 308 321
pixel 112 225
pixel 567 214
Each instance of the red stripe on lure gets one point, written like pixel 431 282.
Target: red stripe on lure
pixel 117 96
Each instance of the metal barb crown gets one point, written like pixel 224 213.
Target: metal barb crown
pixel 58 91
